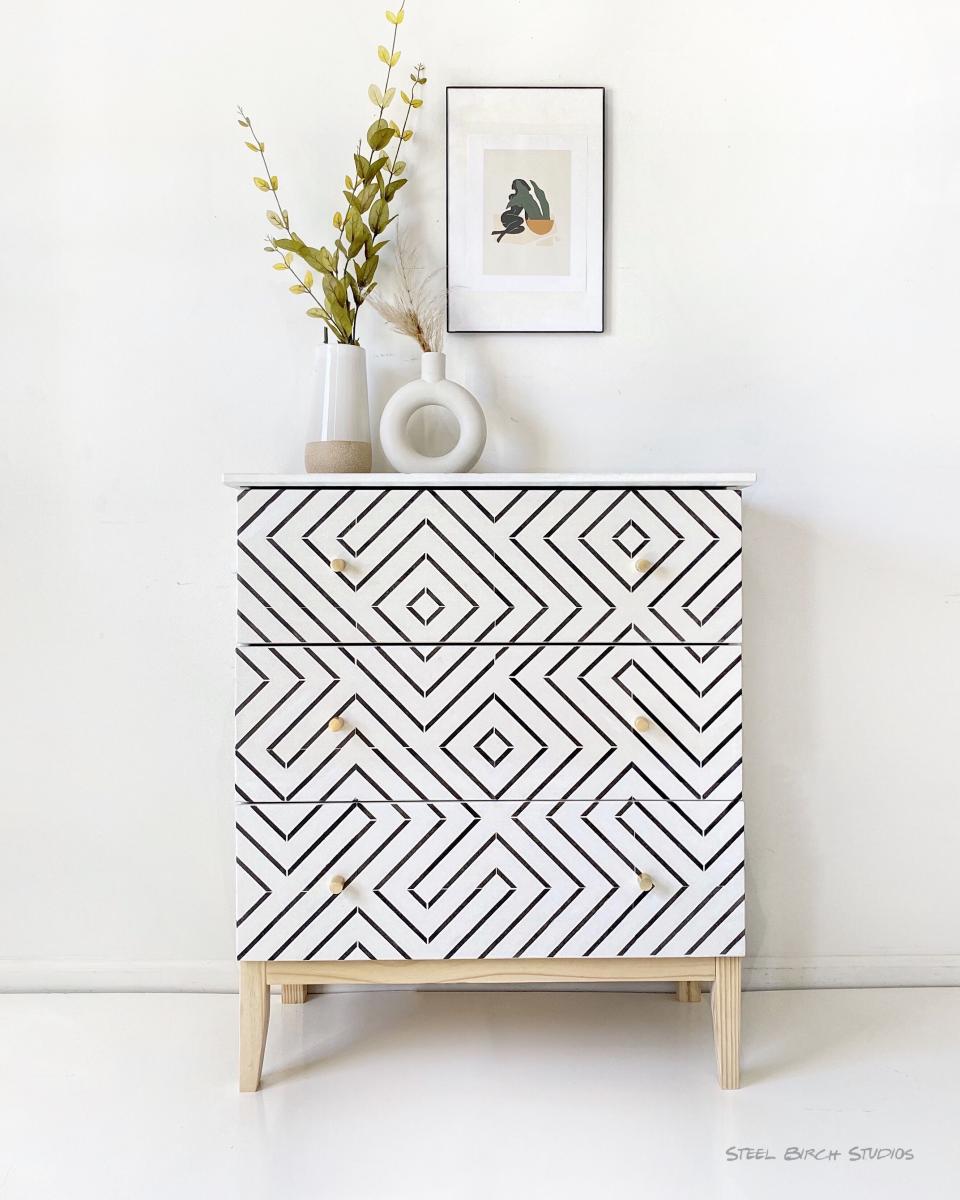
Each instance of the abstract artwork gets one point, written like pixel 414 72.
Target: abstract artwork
pixel 525 209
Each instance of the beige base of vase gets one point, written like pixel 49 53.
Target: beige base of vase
pixel 338 458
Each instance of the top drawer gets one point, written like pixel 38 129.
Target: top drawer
pixel 488 565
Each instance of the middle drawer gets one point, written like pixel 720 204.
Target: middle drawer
pixel 318 723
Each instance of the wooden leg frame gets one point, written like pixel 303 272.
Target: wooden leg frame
pixel 688 973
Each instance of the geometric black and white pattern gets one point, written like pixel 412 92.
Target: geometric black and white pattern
pixel 489 565
pixel 488 723
pixel 486 792
pixel 490 880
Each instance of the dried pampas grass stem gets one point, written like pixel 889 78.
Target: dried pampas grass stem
pixel 416 310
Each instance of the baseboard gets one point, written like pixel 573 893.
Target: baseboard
pixel 759 974
pixel 70 975
pixel 764 974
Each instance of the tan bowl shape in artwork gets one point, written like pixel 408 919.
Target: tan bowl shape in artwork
pixel 539 225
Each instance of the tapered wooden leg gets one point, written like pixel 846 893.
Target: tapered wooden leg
pixel 293 993
pixel 254 1019
pixel 688 991
pixel 725 1006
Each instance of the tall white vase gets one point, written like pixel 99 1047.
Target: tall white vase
pixel 432 387
pixel 338 433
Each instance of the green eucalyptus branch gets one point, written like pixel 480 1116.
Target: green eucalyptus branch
pixel 393 47
pixel 347 278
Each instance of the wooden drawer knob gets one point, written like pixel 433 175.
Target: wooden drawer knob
pixel 336 884
pixel 337 564
pixel 641 724
pixel 642 564
pixel 335 724
pixel 645 883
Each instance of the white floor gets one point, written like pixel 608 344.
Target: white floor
pixel 457 1095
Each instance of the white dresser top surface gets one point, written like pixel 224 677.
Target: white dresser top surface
pixel 668 479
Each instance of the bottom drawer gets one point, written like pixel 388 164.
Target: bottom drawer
pixel 541 879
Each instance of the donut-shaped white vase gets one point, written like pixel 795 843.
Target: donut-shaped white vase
pixel 432 388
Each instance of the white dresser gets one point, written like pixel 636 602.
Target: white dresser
pixel 489 730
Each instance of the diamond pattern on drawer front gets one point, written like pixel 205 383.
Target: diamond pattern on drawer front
pixel 490 880
pixel 421 569
pixel 484 723
pixel 480 565
pixel 286 540
pixel 577 551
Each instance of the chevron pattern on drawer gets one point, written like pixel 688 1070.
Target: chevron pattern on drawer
pixel 490 880
pixel 486 565
pixel 484 723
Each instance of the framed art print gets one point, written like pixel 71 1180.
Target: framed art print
pixel 525 209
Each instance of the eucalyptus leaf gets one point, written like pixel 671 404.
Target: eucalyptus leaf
pixel 342 318
pixel 353 225
pixel 379 134
pixel 379 216
pixel 373 167
pixel 366 270
pixel 393 188
pixel 367 196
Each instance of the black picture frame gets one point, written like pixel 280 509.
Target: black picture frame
pixel 603 217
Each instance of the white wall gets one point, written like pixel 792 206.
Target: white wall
pixel 783 251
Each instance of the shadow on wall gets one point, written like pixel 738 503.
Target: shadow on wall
pixel 513 443
pixel 777 694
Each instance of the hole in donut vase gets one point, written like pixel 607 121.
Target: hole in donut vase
pixel 432 430
pixel 431 390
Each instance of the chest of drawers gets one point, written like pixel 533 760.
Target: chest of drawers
pixel 488 729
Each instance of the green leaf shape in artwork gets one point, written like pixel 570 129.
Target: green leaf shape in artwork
pixel 541 200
